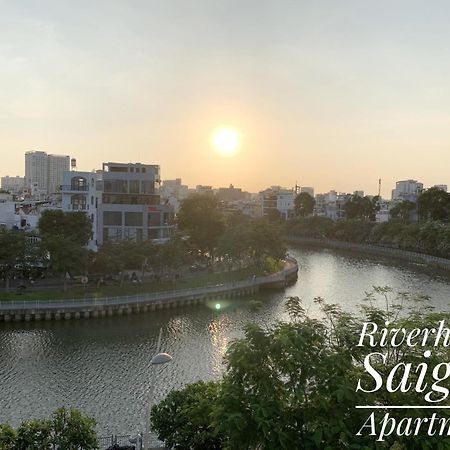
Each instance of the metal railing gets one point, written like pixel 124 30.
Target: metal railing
pixel 152 297
pixel 106 442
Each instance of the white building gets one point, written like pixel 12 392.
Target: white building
pixel 407 190
pixel 382 215
pixel 173 192
pixel 442 187
pixel 15 185
pixel 44 173
pixel 122 201
pixel 57 165
pixel 277 199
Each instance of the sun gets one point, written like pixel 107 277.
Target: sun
pixel 226 141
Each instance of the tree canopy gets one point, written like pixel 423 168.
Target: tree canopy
pixel 434 204
pixel 202 219
pixel 65 430
pixel 304 204
pixel 294 384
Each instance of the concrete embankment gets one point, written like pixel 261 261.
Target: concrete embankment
pixel 68 309
pixel 374 250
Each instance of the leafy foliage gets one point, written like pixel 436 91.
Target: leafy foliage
pixel 201 217
pixel 304 204
pixel 65 430
pixel 191 423
pixel 293 385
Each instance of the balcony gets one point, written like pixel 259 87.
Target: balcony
pixel 74 188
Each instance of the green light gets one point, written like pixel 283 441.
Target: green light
pixel 218 306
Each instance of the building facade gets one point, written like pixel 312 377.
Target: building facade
pixel 122 200
pixel 15 185
pixel 407 190
pixel 44 173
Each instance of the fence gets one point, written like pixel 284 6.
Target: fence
pixel 106 442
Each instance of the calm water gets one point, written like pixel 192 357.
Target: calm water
pixel 102 366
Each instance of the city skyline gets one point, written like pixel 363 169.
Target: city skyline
pixel 328 95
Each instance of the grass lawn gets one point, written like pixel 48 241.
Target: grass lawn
pixel 134 288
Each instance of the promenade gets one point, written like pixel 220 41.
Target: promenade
pixel 92 307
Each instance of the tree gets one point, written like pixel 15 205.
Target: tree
pixel 363 208
pixel 191 412
pixel 201 218
pixel 434 204
pixel 75 226
pixel 8 437
pixel 65 430
pixel 73 431
pixel 12 253
pixel 34 435
pixel 294 384
pixel 402 211
pixel 65 236
pixel 304 204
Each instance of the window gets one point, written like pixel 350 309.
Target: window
pixel 78 202
pixel 147 187
pixel 115 186
pixel 134 187
pixel 153 233
pixel 154 219
pixel 112 218
pixel 133 219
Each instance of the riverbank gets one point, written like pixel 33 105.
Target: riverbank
pixel 404 255
pixel 94 307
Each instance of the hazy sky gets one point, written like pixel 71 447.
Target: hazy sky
pixel 333 94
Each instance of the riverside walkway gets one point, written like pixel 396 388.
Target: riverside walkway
pixel 27 310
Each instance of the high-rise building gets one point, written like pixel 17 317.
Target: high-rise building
pixel 407 190
pixel 15 185
pixel 36 170
pixel 57 165
pixel 45 172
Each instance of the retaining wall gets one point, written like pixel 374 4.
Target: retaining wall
pixel 374 249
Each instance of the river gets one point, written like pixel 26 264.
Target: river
pixel 102 366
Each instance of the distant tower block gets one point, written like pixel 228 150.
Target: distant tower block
pixel 73 164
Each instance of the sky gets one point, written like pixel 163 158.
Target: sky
pixel 333 94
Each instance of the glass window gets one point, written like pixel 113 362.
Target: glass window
pixel 133 219
pixel 147 187
pixel 112 218
pixel 134 187
pixel 154 219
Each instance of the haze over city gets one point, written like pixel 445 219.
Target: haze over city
pixel 330 94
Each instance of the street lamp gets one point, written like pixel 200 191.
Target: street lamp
pixel 157 360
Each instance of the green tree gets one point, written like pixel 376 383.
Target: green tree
pixel 34 435
pixel 363 208
pixel 73 431
pixel 12 253
pixel 65 430
pixel 434 204
pixel 304 204
pixel 293 385
pixel 202 219
pixel 65 236
pixel 8 437
pixel 402 211
pixel 191 424
pixel 75 226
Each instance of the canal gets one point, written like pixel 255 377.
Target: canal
pixel 102 366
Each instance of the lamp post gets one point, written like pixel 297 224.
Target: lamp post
pixel 157 360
